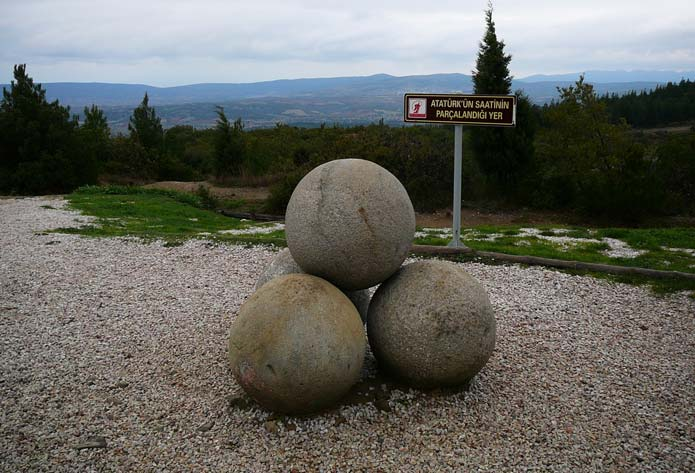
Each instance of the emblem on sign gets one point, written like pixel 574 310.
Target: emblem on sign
pixel 417 108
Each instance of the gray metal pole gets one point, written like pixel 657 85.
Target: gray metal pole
pixel 458 159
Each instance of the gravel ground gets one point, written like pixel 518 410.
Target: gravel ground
pixel 113 358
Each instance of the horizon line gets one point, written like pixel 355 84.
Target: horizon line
pixel 550 75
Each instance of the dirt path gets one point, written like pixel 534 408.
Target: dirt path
pixel 249 194
pixel 470 217
pixel 439 219
pixel 474 217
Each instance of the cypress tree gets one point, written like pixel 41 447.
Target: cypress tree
pixel 492 67
pixel 503 154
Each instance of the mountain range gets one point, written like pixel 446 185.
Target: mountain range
pixel 310 102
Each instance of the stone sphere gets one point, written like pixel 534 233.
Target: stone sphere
pixel 280 265
pixel 360 299
pixel 283 263
pixel 297 344
pixel 432 325
pixel 350 221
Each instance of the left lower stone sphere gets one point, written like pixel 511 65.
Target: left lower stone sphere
pixel 297 344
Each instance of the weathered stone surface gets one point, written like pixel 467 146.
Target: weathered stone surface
pixel 431 324
pixel 283 264
pixel 297 344
pixel 351 222
pixel 360 299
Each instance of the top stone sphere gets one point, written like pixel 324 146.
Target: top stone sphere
pixel 350 221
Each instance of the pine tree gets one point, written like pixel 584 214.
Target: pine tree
pixel 503 154
pixel 145 127
pixel 229 144
pixel 40 150
pixel 95 133
pixel 95 121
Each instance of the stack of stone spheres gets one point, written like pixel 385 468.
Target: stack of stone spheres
pixel 298 343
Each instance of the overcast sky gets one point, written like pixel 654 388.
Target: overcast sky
pixel 174 42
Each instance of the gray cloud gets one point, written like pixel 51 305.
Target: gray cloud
pixel 166 42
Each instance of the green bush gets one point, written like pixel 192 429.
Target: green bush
pixel 281 192
pixel 207 199
pixel 675 163
pixel 173 169
pixel 586 162
pixel 128 158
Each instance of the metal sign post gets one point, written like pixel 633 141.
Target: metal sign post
pixel 459 110
pixel 458 164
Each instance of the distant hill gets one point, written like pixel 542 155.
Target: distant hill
pixel 545 92
pixel 616 76
pixel 310 102
pixel 78 94
pixel 267 112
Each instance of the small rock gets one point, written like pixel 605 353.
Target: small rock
pixel 238 402
pixel 114 401
pixel 206 427
pixel 340 420
pixel 232 444
pixel 382 404
pixel 122 384
pixel 92 442
pixel 271 426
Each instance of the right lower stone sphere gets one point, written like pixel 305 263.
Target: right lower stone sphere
pixel 431 325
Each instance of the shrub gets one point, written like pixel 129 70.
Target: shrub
pixel 207 199
pixel 587 162
pixel 675 163
pixel 281 192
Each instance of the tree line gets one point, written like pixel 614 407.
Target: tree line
pixel 670 103
pixel 574 153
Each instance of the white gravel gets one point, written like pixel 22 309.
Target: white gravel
pixel 123 344
pixel 616 248
pixel 687 251
pixel 257 230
